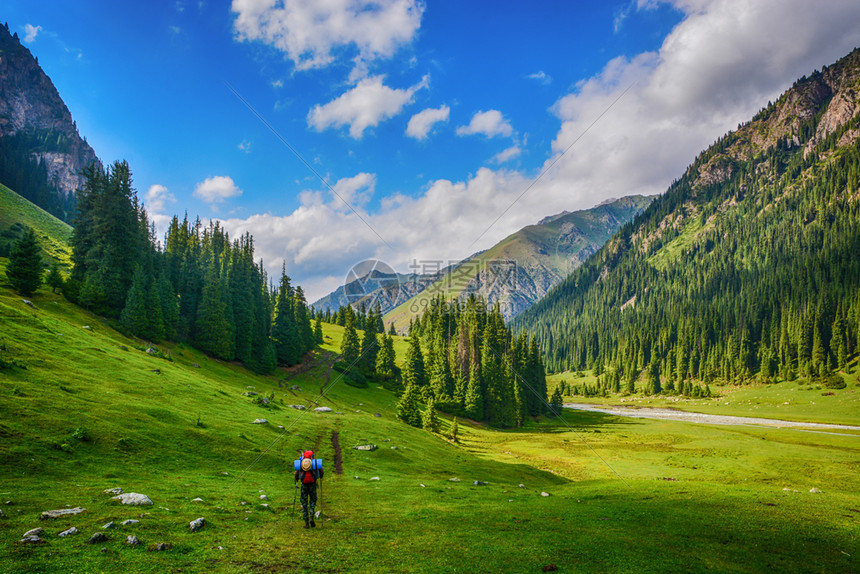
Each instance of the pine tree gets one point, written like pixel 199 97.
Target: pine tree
pixel 413 369
pixel 285 334
pixel 429 419
pixel 455 428
pixel 350 349
pixel 134 315
pixel 407 407
pixel 385 366
pixel 369 349
pixel 391 330
pixel 24 270
pixel 54 280
pixel 556 403
pixel 318 333
pixel 474 400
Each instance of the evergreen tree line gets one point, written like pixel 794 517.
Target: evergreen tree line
pixel 463 360
pixel 369 356
pixel 199 287
pixel 28 176
pixel 363 318
pixel 769 288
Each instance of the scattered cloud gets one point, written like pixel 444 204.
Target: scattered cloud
pixel 175 29
pixel 421 123
pixel 490 123
pixel 245 146
pixel 507 155
pixel 716 68
pixel 156 199
pixel 541 77
pixel 30 33
pixel 216 189
pixel 308 32
pixel 278 84
pixel 364 106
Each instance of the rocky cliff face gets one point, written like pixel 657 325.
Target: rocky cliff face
pixel 29 103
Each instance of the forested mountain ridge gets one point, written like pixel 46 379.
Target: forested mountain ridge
pixel 524 266
pixel 748 266
pixel 41 152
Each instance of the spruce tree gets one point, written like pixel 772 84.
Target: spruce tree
pixel 350 349
pixel 54 280
pixel 455 428
pixel 413 369
pixel 369 349
pixel 474 400
pixel 318 333
pixel 407 406
pixel 429 419
pixel 285 334
pixel 24 270
pixel 556 403
pixel 385 366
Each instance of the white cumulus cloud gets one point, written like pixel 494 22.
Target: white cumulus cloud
pixel 30 32
pixel 421 123
pixel 308 32
pixel 507 154
pixel 364 106
pixel 541 77
pixel 216 189
pixel 490 123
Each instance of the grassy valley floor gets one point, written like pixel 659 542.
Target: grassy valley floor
pixel 625 495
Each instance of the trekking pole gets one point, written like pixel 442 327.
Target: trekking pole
pixel 321 500
pixel 293 511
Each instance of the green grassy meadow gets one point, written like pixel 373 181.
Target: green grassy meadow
pixel 625 495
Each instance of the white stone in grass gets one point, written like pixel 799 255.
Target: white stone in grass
pixel 196 525
pixel 62 512
pixel 260 422
pixel 455 479
pixel 264 497
pixel 422 486
pixel 480 483
pixel 815 491
pixel 68 532
pixel 132 540
pixel 34 532
pixel 116 490
pixel 133 499
pixel 198 499
pixel 375 478
pixel 130 521
pixel 31 540
pixel 97 537
pixel 544 494
pixel 109 525
pixel 322 410
pixel 2 514
pixel 297 407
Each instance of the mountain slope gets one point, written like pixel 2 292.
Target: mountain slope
pixel 524 266
pixel 747 266
pixel 41 152
pixel 16 212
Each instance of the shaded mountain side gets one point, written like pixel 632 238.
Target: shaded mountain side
pixel 41 152
pixel 746 267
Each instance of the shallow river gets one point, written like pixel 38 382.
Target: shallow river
pixel 674 415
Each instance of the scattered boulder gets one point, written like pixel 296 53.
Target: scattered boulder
pixel 259 422
pixel 522 485
pixel 133 499
pixel 97 537
pixel 48 514
pixel 31 540
pixel 198 499
pixel 116 490
pixel 132 540
pixel 2 514
pixel 367 447
pixel 28 303
pixel 162 546
pixel 264 497
pixel 109 525
pixel 130 521
pixel 377 415
pixel 480 483
pixel 322 410
pixel 295 388
pixel 375 478
pixel 544 494
pixel 815 491
pixel 455 479
pixel 196 525
pixel 34 532
pixel 394 448
pixel 282 427
pixel 151 350
pixel 297 407
pixel 264 505
pixel 249 394
pixel 68 532
pixel 86 327
pixel 265 400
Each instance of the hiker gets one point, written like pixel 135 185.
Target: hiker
pixel 308 477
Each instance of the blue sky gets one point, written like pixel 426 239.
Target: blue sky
pixel 428 118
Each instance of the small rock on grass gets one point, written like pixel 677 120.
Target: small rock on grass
pixel 455 479
pixel 130 521
pixel 68 532
pixel 544 494
pixel 116 490
pixel 480 483
pixel 322 410
pixel 815 491
pixel 34 532
pixel 162 546
pixel 132 540
pixel 109 525
pixel 31 540
pixel 198 499
pixel 196 525
pixel 133 499
pixel 2 514
pixel 259 422
pixel 97 537
pixel 48 514
pixel 375 478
